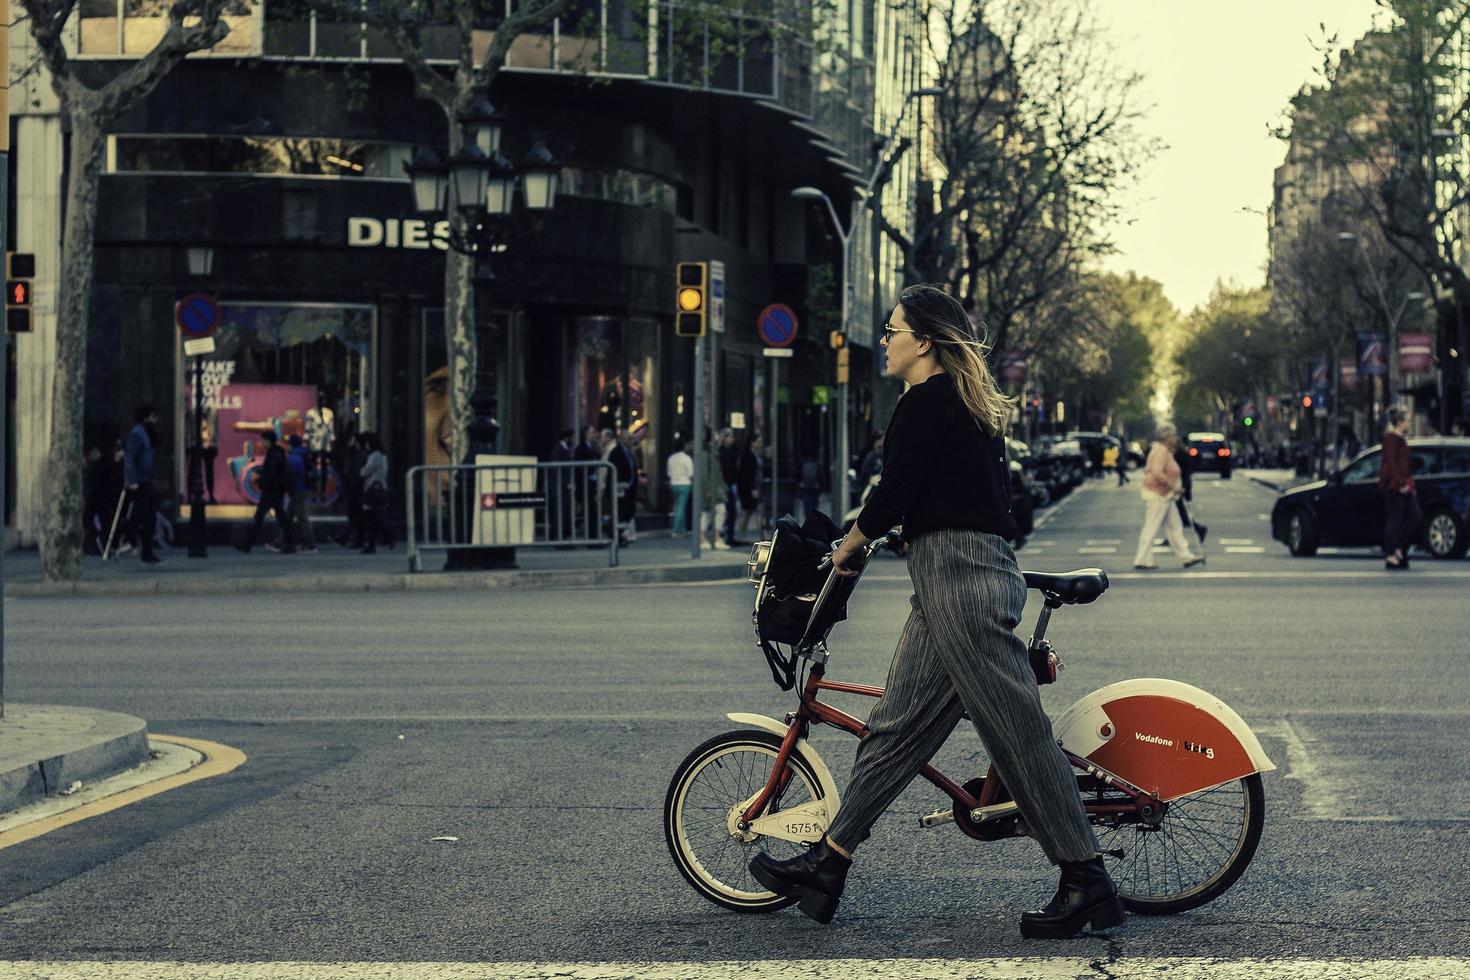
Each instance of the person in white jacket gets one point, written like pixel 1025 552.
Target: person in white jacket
pixel 680 468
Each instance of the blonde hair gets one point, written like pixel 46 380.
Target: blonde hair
pixel 937 316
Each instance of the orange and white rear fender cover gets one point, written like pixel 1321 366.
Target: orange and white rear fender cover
pixel 1163 736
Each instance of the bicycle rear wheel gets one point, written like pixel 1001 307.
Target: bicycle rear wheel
pixel 1193 855
pixel 708 848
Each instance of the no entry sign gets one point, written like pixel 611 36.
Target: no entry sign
pixel 197 315
pixel 777 325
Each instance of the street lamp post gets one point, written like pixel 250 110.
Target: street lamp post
pixel 474 190
pixel 1390 316
pixel 867 197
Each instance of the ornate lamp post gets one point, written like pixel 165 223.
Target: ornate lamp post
pixel 475 190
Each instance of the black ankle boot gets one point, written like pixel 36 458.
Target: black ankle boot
pixel 1086 894
pixel 815 877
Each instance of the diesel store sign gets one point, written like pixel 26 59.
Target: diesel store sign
pixel 397 233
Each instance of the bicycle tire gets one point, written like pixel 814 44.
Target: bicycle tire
pixel 1209 827
pixel 717 855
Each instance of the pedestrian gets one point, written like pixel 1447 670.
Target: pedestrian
pixel 625 465
pixel 1110 461
pixel 809 486
pixel 1163 483
pixel 872 463
pixel 138 457
pixel 1396 484
pixel 299 465
pixel 374 493
pixel 946 480
pixel 560 490
pixel 752 480
pixel 273 478
pixel 716 497
pixel 680 468
pixel 729 457
pixel 352 493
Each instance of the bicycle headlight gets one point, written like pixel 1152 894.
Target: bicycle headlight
pixel 760 557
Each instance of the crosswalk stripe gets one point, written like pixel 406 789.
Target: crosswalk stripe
pixel 1020 968
pixel 1237 549
pixel 1237 540
pixel 1097 551
pixel 1104 540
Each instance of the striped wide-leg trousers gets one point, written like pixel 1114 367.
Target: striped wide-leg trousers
pixel 959 652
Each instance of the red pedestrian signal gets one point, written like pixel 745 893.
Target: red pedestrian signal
pixel 17 293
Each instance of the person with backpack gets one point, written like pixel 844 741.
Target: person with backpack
pixel 299 463
pixel 273 477
pixel 374 492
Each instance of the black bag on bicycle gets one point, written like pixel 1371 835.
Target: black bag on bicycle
pixel 787 593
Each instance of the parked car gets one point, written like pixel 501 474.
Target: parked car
pixel 1030 464
pixel 1346 509
pixel 1094 443
pixel 1210 453
pixel 1066 465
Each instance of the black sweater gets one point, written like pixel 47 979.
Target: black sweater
pixel 939 469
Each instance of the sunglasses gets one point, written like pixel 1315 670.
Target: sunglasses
pixel 889 330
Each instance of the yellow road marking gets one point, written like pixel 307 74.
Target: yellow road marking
pixel 218 760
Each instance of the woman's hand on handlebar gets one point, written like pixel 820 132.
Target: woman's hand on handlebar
pixel 851 547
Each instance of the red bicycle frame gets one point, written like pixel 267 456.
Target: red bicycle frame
pixel 813 711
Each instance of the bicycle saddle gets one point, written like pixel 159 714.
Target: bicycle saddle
pixel 1072 588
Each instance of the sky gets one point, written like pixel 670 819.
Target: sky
pixel 1217 77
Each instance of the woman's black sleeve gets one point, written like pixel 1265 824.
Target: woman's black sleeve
pixel 912 452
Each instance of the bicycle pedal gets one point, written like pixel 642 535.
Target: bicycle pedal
pixel 937 818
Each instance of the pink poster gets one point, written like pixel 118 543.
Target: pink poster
pixel 238 414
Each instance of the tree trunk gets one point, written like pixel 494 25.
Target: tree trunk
pixel 459 341
pixel 61 523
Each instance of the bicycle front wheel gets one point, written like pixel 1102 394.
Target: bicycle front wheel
pixel 701 812
pixel 1197 850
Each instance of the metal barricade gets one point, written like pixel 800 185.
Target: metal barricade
pixel 530 505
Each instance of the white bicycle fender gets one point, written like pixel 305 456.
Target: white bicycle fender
pixel 808 755
pixel 1163 736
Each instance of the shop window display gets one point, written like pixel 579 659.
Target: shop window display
pixel 614 382
pixel 302 370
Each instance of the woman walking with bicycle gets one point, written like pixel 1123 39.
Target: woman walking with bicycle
pixel 945 479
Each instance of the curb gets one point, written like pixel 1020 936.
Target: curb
pixel 113 742
pixel 402 582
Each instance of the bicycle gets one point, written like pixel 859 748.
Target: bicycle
pixel 1170 776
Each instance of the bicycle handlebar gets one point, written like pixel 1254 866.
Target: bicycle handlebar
pixel 869 549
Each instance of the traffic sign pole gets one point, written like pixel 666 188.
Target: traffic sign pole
pixel 197 316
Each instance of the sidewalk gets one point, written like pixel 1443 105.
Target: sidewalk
pixel 46 750
pixel 655 557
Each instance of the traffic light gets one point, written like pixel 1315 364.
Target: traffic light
pixel 691 299
pixel 1248 421
pixel 1306 401
pixel 837 340
pixel 843 365
pixel 20 269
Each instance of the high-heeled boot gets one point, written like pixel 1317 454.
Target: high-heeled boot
pixel 1086 894
pixel 816 878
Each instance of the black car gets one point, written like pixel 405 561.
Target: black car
pixel 1209 452
pixel 1347 509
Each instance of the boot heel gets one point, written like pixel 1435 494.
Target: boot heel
pixel 1109 914
pixel 818 907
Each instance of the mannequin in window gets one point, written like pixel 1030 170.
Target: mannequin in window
pixel 321 438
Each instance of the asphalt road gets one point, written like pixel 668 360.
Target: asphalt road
pixel 541 730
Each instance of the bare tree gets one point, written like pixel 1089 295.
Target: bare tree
pixel 1392 117
pixel 454 88
pixel 190 25
pixel 1033 138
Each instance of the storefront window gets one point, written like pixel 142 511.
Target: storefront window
pixel 286 156
pixel 112 27
pixel 623 186
pixel 302 370
pixel 613 377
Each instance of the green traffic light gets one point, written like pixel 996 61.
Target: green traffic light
pixel 1249 421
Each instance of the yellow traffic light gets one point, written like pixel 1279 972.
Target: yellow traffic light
pixel 691 299
pixel 837 339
